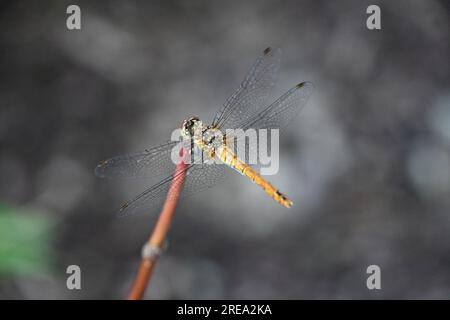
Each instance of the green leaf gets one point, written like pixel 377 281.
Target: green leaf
pixel 24 241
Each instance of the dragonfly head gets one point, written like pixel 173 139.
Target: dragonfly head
pixel 190 126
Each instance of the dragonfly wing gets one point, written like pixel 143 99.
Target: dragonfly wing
pixel 149 163
pixel 198 177
pixel 280 113
pixel 204 176
pixel 252 93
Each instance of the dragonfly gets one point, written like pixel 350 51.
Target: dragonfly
pixel 245 108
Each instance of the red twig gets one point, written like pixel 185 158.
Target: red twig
pixel 158 237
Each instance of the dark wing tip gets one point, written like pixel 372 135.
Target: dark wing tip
pixel 267 50
pixel 125 210
pixel 122 208
pixel 100 169
pixel 305 84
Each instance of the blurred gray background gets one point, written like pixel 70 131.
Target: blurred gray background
pixel 367 163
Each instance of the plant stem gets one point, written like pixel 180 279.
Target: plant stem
pixel 158 236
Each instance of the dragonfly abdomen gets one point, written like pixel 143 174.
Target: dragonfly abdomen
pixel 230 158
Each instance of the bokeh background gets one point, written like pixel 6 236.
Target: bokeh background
pixel 367 163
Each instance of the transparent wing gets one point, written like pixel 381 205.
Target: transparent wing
pixel 158 162
pixel 252 93
pixel 198 178
pixel 278 115
pixel 281 112
pixel 149 163
pixel 204 176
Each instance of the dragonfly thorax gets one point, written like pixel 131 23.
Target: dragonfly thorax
pixel 212 137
